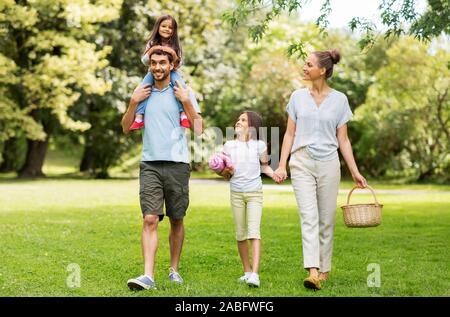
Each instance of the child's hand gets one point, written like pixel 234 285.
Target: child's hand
pixel 182 93
pixel 227 172
pixel 276 178
pixel 281 174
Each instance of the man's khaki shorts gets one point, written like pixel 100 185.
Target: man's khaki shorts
pixel 164 182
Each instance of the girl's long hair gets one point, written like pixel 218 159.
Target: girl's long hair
pixel 155 38
pixel 255 122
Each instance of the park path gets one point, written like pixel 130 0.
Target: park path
pixel 288 188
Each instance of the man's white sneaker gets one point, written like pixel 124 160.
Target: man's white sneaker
pixel 253 280
pixel 140 283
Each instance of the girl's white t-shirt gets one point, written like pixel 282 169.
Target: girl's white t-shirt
pixel 245 157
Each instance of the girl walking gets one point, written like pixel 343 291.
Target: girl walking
pixel 316 128
pixel 249 158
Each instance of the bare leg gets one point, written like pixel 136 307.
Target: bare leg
pixel 256 254
pixel 176 238
pixel 313 271
pixel 243 253
pixel 149 243
pixel 323 276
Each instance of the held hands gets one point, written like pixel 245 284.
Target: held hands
pixel 276 178
pixel 280 175
pixel 182 93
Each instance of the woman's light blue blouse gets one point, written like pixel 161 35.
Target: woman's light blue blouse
pixel 316 126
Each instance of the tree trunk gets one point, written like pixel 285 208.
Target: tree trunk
pixel 35 159
pixel 87 162
pixel 425 175
pixel 10 152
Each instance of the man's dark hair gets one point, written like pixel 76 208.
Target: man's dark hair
pixel 161 52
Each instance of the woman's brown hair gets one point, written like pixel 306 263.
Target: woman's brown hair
pixel 327 59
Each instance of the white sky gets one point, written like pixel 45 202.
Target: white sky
pixel 344 10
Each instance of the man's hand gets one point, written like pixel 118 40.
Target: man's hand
pixel 141 93
pixel 182 93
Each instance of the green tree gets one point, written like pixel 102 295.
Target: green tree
pixel 209 66
pixel 274 76
pixel 396 16
pixel 45 65
pixel 406 117
pixel 104 143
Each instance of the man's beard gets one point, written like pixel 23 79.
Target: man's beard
pixel 163 78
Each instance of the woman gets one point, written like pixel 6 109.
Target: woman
pixel 316 128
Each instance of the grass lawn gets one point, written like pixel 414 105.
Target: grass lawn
pixel 46 225
pixel 61 165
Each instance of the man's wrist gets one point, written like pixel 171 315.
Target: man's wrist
pixel 185 101
pixel 133 102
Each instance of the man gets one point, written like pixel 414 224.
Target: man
pixel 164 169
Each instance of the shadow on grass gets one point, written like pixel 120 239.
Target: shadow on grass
pixel 12 177
pixel 346 183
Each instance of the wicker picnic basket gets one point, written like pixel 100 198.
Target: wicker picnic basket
pixel 362 215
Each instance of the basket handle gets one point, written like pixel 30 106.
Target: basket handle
pixel 371 189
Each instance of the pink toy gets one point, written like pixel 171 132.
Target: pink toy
pixel 219 161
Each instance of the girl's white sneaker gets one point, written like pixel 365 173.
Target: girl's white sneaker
pixel 253 280
pixel 244 277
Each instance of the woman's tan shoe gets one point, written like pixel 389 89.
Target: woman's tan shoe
pixel 312 283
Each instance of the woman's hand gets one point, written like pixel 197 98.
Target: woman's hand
pixel 227 172
pixel 281 174
pixel 276 178
pixel 360 181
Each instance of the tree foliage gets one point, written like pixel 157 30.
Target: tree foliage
pixel 399 17
pixel 67 69
pixel 406 117
pixel 208 67
pixel 45 65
